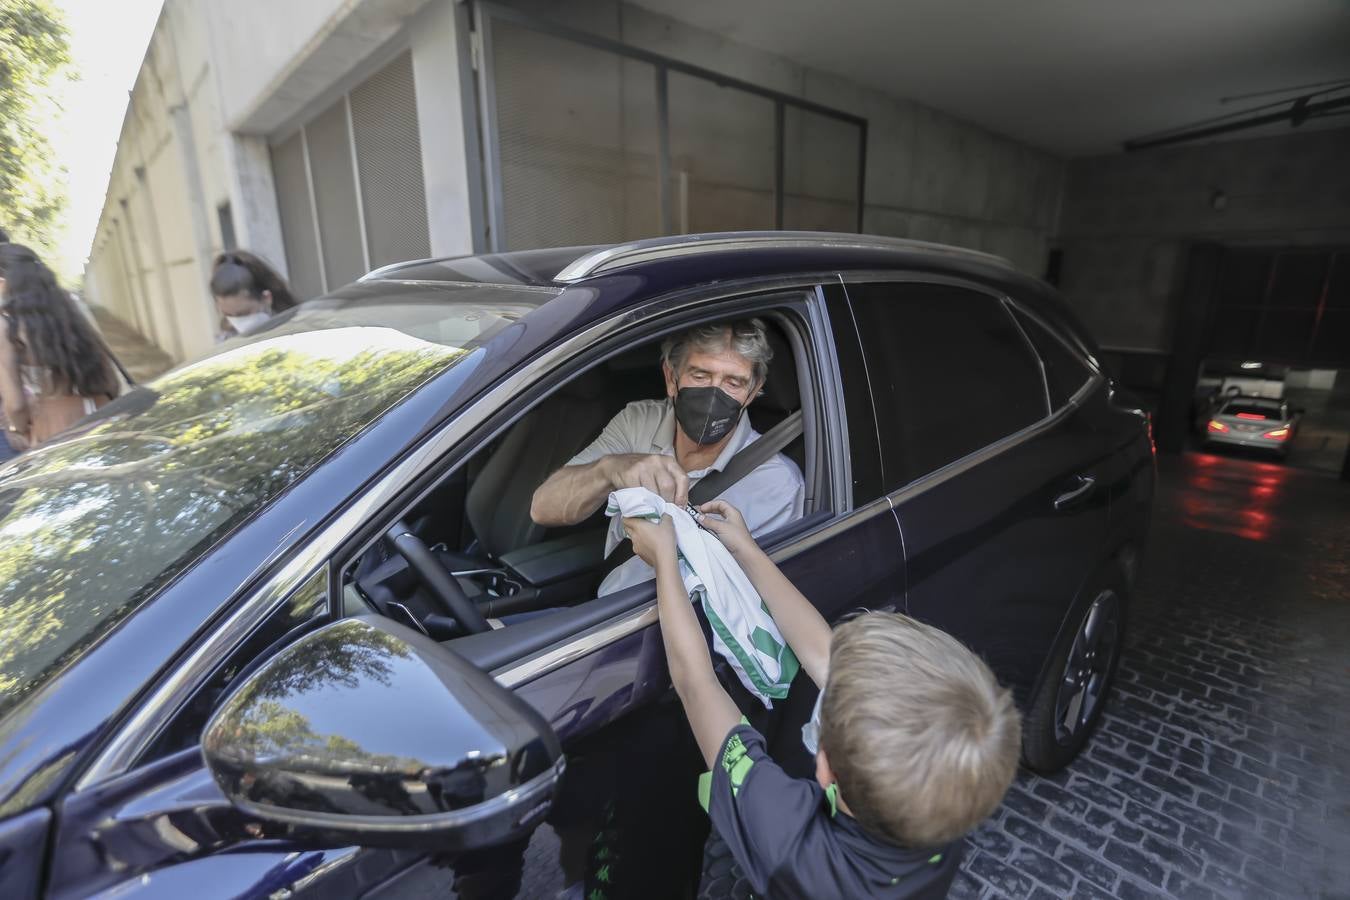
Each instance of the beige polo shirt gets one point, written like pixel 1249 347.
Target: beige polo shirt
pixel 769 497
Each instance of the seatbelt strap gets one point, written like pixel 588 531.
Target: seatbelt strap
pixel 740 465
pixel 748 459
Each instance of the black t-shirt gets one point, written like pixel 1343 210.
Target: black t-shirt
pixel 788 840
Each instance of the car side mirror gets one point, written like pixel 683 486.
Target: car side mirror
pixel 367 732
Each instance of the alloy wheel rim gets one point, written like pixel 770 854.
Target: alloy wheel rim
pixel 1082 685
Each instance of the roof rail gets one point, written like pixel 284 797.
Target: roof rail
pixel 621 256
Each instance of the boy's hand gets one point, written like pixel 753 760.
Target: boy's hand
pixel 730 528
pixel 654 543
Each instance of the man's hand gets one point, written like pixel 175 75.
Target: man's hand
pixel 730 528
pixel 653 542
pixel 653 471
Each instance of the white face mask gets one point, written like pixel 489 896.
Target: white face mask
pixel 811 730
pixel 248 323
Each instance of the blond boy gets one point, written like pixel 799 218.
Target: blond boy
pixel 917 741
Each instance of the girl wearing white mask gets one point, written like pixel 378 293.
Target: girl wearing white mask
pixel 248 292
pixel 54 369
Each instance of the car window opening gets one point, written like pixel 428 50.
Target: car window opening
pixel 476 521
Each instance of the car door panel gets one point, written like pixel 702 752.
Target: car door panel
pixel 977 464
pixel 587 693
pixel 992 560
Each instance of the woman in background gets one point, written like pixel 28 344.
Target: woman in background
pixel 54 369
pixel 248 292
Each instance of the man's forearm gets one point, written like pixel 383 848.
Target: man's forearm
pixel 571 494
pixel 806 631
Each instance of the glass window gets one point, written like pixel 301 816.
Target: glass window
pixel 865 457
pixel 950 374
pixel 1065 371
pixel 1253 409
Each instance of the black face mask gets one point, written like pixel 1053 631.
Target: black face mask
pixel 707 414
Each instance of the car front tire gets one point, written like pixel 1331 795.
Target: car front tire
pixel 1083 662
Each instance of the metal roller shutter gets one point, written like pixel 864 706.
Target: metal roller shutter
pixel 389 164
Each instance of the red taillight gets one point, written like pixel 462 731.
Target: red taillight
pixel 1279 434
pixel 1257 416
pixel 1217 426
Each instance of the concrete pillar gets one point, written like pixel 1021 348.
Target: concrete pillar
pixel 253 199
pixel 248 162
pixel 150 324
pixel 135 306
pixel 445 110
pixel 175 346
pixel 1190 340
pixel 180 116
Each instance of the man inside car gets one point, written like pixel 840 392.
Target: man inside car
pixel 712 374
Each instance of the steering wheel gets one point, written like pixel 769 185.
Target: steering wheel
pixel 439 583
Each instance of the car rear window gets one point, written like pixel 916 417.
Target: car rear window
pixel 1251 410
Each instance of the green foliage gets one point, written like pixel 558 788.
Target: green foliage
pixel 265 719
pixel 34 51
pixel 91 526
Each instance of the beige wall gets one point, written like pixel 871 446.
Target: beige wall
pixel 215 84
pixel 929 175
pixel 146 263
pixel 220 79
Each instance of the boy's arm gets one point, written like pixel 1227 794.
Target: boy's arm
pixel 707 705
pixel 806 631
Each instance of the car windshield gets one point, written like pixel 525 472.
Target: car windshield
pixel 1244 409
pixel 94 524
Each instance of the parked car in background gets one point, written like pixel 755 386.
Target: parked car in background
pixel 248 643
pixel 1258 423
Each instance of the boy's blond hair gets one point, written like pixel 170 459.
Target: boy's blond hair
pixel 921 738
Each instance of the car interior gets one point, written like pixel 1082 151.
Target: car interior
pixel 467 554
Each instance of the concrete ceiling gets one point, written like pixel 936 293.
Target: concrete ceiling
pixel 1075 77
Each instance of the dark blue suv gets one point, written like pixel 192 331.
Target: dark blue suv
pixel 280 622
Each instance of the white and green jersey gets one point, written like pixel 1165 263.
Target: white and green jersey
pixel 743 631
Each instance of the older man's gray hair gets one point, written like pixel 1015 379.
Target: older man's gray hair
pixel 746 337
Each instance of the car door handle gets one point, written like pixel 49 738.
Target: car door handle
pixel 1072 498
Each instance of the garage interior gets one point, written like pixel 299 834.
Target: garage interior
pixel 1181 172
pixel 1200 219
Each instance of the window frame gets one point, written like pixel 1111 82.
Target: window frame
pixel 1086 360
pixel 635 607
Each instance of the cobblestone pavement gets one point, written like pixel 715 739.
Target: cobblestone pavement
pixel 1222 764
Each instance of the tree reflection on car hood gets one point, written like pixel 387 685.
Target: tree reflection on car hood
pixel 95 524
